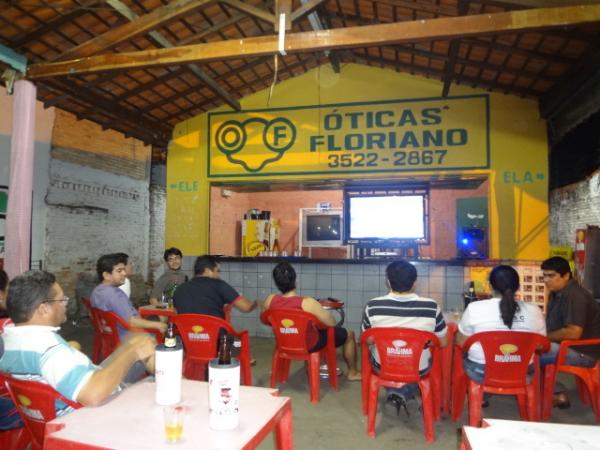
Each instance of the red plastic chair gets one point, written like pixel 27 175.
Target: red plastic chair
pixel 109 325
pixel 200 336
pixel 102 339
pixel 399 352
pixel 36 404
pixel 3 322
pixel 507 357
pixel 290 327
pixel 588 379
pixel 16 438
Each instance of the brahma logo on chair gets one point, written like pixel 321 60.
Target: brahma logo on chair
pixel 398 349
pixel 507 356
pixel 197 334
pixel 288 327
pixel 33 413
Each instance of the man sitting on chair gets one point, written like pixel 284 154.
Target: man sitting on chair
pixel 108 297
pixel 34 350
pixel 284 276
pixel 403 308
pixel 207 294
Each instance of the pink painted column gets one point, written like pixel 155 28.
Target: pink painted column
pixel 20 187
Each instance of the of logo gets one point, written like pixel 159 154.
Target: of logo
pixel 507 356
pixel 288 327
pixel 197 334
pixel 276 135
pixel 399 349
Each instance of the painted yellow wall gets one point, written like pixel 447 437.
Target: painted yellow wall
pixel 518 170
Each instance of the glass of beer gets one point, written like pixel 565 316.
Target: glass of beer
pixel 173 422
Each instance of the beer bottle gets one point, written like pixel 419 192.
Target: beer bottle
pixel 470 296
pixel 170 340
pixel 224 350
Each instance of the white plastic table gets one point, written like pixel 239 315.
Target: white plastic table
pixel 133 421
pixel 497 434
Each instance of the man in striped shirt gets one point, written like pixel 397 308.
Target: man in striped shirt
pixel 403 308
pixel 33 349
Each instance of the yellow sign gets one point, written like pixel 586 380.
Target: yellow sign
pixel 388 136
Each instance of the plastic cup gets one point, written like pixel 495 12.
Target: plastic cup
pixel 173 423
pixel 456 314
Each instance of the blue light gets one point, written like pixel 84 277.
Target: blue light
pixel 465 241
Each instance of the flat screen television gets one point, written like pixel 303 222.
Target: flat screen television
pixel 321 228
pixel 386 216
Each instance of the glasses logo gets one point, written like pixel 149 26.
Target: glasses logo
pixel 277 135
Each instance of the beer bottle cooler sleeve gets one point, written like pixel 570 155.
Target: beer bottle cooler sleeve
pixel 168 365
pixel 223 395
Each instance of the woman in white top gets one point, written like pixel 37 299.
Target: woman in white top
pixel 500 313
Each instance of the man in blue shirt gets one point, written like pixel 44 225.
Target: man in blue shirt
pixel 108 297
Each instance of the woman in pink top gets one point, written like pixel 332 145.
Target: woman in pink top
pixel 284 276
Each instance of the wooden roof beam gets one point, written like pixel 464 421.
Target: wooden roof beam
pixel 164 42
pixel 259 13
pixel 304 9
pixel 310 41
pixel 143 24
pixel 544 3
pixel 463 8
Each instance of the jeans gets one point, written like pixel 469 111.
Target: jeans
pixel 474 371
pixel 574 358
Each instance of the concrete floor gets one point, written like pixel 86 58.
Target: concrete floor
pixel 336 421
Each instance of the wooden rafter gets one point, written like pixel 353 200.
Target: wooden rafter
pixel 304 9
pixel 164 42
pixel 141 25
pixel 352 37
pixel 463 8
pixel 259 13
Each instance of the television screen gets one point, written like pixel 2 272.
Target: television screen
pixel 386 215
pixel 323 228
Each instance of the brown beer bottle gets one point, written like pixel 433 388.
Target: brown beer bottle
pixel 170 340
pixel 224 350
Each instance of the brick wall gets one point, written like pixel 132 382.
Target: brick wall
pixel 572 207
pixel 97 202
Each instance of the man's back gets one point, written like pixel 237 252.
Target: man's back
pixel 404 311
pixel 204 295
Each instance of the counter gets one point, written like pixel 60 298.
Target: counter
pixel 353 281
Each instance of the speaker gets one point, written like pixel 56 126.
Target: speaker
pixel 472 243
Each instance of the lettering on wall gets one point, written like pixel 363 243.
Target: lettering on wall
pixel 388 136
pixel 525 177
pixel 184 186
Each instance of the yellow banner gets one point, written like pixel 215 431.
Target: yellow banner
pixel 389 136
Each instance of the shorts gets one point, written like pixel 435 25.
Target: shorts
pixel 340 335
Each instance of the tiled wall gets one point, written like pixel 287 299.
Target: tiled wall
pixel 355 284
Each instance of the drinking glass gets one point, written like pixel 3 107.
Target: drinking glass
pixel 456 314
pixel 173 422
